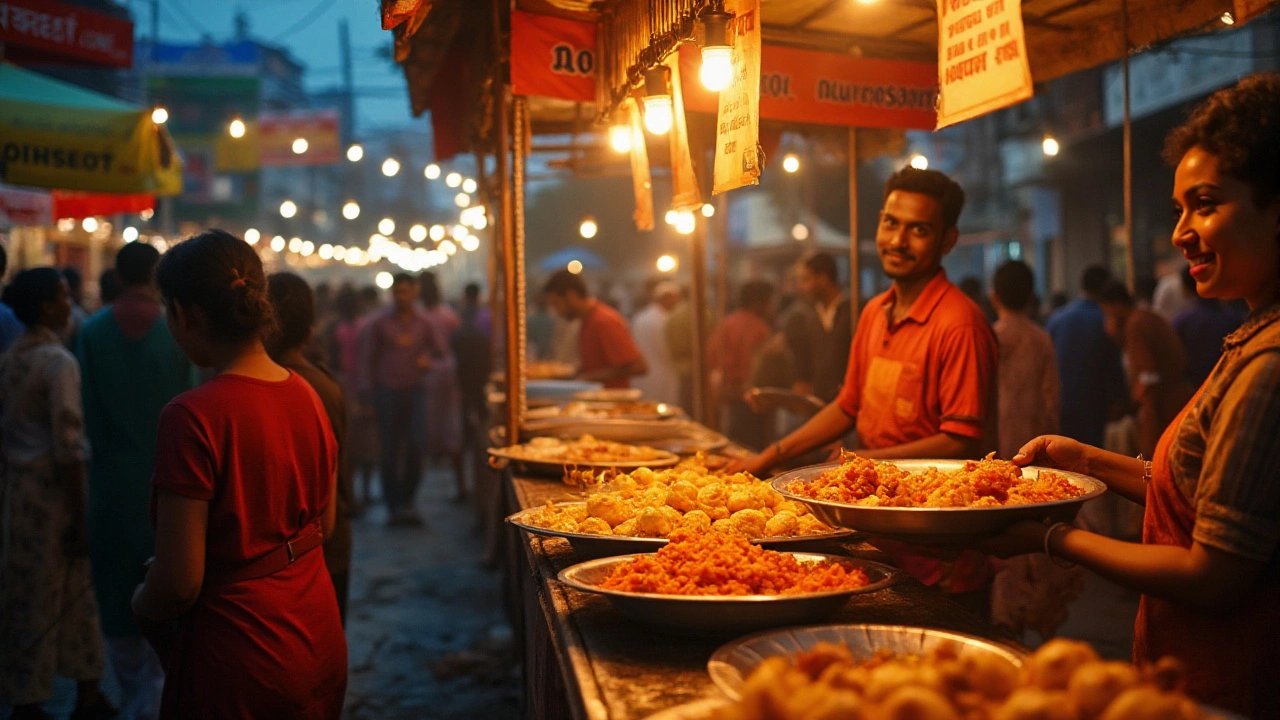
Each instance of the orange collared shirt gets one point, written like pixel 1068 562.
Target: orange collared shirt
pixel 933 371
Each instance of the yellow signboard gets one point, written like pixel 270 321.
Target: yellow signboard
pixel 982 58
pixel 738 117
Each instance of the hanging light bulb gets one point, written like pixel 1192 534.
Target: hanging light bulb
pixel 791 162
pixel 453 179
pixel 469 186
pixel 90 224
pixel 159 115
pixel 236 128
pixel 574 266
pixel 1228 19
pixel 251 236
pixel 666 263
pixel 418 233
pixel 390 167
pixel 658 112
pixel 288 209
pixel 386 226
pixel 431 172
pixel 685 222
pixel 277 244
pixel 351 210
pixel 470 243
pixel 300 146
pixel 437 233
pixel 919 162
pixel 717 56
pixel 1050 146
pixel 325 252
pixel 620 138
pixel 448 248
pixel 130 234
pixel 355 153
pixel 708 209
pixel 671 217
pixel 462 199
pixel 588 228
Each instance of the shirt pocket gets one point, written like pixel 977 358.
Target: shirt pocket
pixel 909 393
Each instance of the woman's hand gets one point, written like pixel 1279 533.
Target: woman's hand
pixel 1055 451
pixel 1022 538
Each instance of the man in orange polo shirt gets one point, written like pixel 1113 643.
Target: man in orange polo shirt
pixel 606 351
pixel 921 375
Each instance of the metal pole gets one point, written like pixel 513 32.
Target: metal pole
pixel 722 256
pixel 698 304
pixel 855 291
pixel 348 83
pixel 1130 269
pixel 506 233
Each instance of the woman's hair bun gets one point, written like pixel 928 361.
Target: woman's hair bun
pixel 223 276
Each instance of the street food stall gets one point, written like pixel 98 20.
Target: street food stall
pixel 609 630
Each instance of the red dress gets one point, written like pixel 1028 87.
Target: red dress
pixel 262 454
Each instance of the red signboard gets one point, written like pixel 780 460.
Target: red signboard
pixel 74 204
pixel 66 32
pixel 553 57
pixel 279 136
pixel 821 88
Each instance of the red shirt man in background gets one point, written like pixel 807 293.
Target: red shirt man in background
pixel 607 353
pixel 731 353
pixel 922 369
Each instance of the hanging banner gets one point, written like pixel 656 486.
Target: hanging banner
pixel 25 207
pixel 62 32
pixel 277 135
pixel 553 57
pixel 74 204
pixel 982 58
pixel 641 178
pixel 738 115
pixel 684 183
pixel 822 88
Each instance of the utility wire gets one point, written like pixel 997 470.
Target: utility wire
pixel 320 9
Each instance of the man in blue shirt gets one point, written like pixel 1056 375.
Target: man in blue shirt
pixel 10 326
pixel 1089 366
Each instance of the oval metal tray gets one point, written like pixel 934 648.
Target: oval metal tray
pixel 956 525
pixel 602 546
pixel 554 467
pixel 732 663
pixel 702 615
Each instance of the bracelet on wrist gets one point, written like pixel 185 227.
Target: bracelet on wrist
pixel 1146 469
pixel 1048 535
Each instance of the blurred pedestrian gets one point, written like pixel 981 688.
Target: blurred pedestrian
pixel 472 348
pixel 48 616
pixel 1092 378
pixel 444 431
pixel 1029 394
pixel 1154 360
pixel 10 326
pixel 731 352
pixel 109 286
pixel 972 288
pixel 606 351
pixel 361 446
pixel 1202 329
pixel 237 602
pixel 398 349
pixel 1171 297
pixel 829 348
pixel 294 309
pixel 680 342
pixel 130 369
pixel 75 284
pixel 540 326
pixel 661 383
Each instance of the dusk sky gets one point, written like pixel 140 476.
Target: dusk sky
pixel 309 30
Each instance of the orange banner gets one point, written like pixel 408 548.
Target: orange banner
pixel 641 178
pixel 684 183
pixel 982 58
pixel 821 88
pixel 553 57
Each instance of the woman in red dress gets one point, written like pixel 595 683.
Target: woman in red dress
pixel 238 601
pixel 1208 566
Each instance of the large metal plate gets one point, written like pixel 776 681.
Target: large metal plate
pixel 703 615
pixel 603 546
pixel 579 410
pixel 664 459
pixel 937 525
pixel 731 664
pixel 678 436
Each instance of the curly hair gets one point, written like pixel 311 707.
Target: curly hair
pixel 222 275
pixel 936 185
pixel 1240 126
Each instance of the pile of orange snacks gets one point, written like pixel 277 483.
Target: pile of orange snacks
pixel 1063 680
pixel 726 564
pixel 982 483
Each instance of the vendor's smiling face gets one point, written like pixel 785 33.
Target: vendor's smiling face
pixel 1232 242
pixel 911 239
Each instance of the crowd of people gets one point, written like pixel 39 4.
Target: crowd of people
pixel 171 460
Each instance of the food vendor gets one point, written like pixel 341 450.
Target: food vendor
pixel 606 350
pixel 922 368
pixel 1208 566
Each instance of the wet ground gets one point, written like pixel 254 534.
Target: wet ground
pixel 426 633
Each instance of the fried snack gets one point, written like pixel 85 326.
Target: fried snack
pixel 586 450
pixel 686 496
pixel 726 564
pixel 983 483
pixel 1064 680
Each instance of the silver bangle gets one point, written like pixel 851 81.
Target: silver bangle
pixel 1048 534
pixel 1146 469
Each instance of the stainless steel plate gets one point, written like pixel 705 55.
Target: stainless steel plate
pixel 553 467
pixel 721 614
pixel 937 525
pixel 731 664
pixel 674 435
pixel 602 546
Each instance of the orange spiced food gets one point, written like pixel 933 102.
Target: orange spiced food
pixel 715 563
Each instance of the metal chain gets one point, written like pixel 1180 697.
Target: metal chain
pixel 519 122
